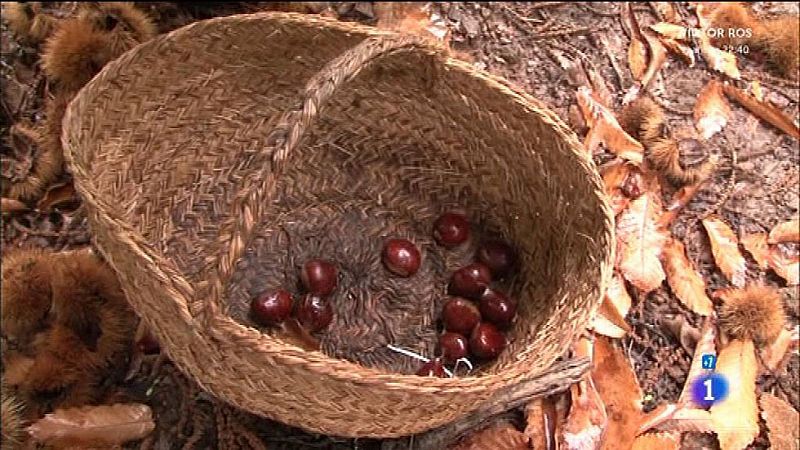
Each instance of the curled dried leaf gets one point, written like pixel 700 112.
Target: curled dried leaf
pixel 711 112
pixel 756 245
pixel 782 422
pixel 604 129
pixel 725 249
pixel 671 31
pixel 684 280
pixel 706 345
pixel 775 354
pixel 785 232
pixel 686 334
pixel 666 9
pixel 640 241
pixel 615 177
pixel 679 49
pixel 763 111
pixel 637 58
pixel 735 419
pixel 620 393
pixel 541 422
pixel 94 425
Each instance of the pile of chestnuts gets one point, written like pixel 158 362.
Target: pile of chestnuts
pixel 314 312
pixel 474 316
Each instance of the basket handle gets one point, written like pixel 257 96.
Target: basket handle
pixel 288 131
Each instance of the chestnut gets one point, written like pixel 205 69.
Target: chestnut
pixel 486 341
pixel 319 277
pixel 453 346
pixel 401 257
pixel 451 229
pixel 470 281
pixel 271 307
pixel 497 308
pixel 432 368
pixel 314 312
pixel 498 256
pixel 460 315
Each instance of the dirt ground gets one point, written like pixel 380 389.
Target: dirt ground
pixel 755 187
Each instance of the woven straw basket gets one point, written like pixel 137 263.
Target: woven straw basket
pixel 214 159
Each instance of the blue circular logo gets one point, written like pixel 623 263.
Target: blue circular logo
pixel 708 390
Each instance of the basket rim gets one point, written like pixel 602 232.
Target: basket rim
pixel 180 290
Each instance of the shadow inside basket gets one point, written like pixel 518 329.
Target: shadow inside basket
pixel 372 307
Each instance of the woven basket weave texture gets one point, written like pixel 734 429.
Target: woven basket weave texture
pixel 213 159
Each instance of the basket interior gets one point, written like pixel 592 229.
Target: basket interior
pixel 390 152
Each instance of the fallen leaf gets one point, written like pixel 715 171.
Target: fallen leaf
pixel 783 422
pixel 615 176
pixel 587 417
pixel 541 421
pixel 711 112
pixel 679 49
pixel 756 245
pixel 787 267
pixel 735 418
pixel 640 241
pixel 666 9
pixel 657 441
pixel 94 425
pixel 600 89
pixel 719 60
pixel 671 31
pixel 785 232
pixel 610 318
pixel 763 111
pixel 604 129
pixel 500 435
pixel 10 205
pixel 688 419
pixel 684 280
pixel 658 56
pixel 637 58
pixel 620 392
pixel 410 17
pixel 774 354
pixel 706 345
pixel 725 249
pixel 59 195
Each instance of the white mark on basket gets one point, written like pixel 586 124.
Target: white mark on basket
pixel 415 355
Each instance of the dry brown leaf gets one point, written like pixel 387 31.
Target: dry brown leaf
pixel 774 354
pixel 637 58
pixel 658 56
pixel 679 49
pixel 763 111
pixel 735 418
pixel 684 280
pixel 706 345
pixel 94 425
pixel 599 86
pixel 725 249
pixel 719 60
pixel 657 441
pixel 670 31
pixel 787 267
pixel 601 324
pixel 541 421
pixel 756 245
pixel 500 435
pixel 783 423
pixel 711 112
pixel 640 241
pixel 614 178
pixel 785 232
pixel 587 417
pixel 620 392
pixel 689 419
pixel 610 318
pixel 604 129
pixel 667 10
pixel 678 326
pixel 10 205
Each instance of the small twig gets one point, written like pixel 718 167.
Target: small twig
pixel 561 376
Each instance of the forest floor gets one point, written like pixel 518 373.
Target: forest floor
pixel 754 188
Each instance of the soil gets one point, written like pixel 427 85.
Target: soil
pixel 753 189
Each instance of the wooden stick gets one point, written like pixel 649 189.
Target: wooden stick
pixel 558 379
